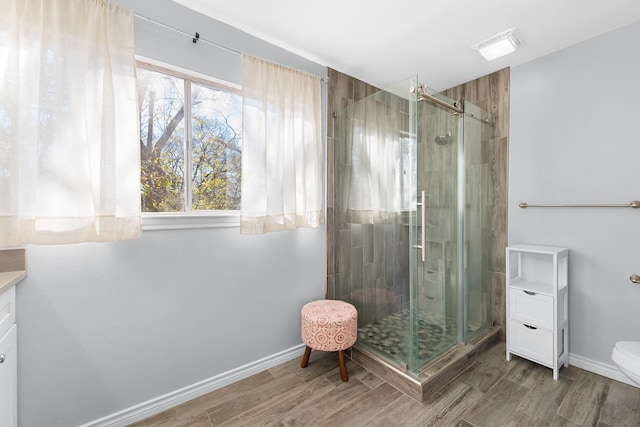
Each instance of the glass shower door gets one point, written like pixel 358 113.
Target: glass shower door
pixel 435 230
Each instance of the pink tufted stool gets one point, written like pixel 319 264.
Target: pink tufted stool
pixel 329 325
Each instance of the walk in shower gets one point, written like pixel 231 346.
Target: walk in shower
pixel 413 206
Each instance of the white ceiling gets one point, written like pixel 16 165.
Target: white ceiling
pixel 386 41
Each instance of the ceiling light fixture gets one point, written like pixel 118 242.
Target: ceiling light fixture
pixel 499 45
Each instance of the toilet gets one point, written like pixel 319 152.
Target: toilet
pixel 626 354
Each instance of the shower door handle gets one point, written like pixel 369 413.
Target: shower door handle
pixel 423 228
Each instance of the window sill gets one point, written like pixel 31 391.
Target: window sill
pixel 178 221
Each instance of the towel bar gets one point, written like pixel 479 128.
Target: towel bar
pixel 632 204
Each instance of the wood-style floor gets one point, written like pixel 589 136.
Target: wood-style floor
pixel 493 392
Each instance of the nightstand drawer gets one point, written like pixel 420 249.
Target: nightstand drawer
pixel 532 343
pixel 531 309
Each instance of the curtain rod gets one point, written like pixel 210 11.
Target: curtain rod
pixel 194 37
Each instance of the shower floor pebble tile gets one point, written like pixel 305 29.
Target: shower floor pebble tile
pixel 494 393
pixel 390 335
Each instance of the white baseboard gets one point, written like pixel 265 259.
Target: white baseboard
pixel 609 371
pixel 169 400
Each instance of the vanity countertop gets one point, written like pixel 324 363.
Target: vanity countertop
pixel 10 278
pixel 13 267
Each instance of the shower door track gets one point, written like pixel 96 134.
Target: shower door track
pixel 424 95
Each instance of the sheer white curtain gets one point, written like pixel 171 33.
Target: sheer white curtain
pixel 281 148
pixel 69 149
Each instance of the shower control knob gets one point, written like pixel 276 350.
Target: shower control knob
pixel 635 278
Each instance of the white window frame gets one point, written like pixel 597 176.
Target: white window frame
pixel 192 219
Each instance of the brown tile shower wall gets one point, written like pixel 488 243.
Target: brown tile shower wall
pixel 491 93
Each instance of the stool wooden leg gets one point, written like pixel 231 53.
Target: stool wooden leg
pixel 305 358
pixel 343 366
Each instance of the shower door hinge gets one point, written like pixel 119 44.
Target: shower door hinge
pixel 403 367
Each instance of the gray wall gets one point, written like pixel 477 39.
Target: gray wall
pixel 574 139
pixel 104 327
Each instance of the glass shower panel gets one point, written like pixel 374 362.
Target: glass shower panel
pixel 373 193
pixel 478 276
pixel 434 263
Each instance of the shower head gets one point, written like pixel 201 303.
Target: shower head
pixel 443 139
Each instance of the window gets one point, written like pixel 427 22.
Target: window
pixel 190 143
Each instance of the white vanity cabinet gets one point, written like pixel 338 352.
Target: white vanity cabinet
pixel 537 302
pixel 12 271
pixel 8 365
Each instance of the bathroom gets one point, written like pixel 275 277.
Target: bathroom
pixel 109 326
